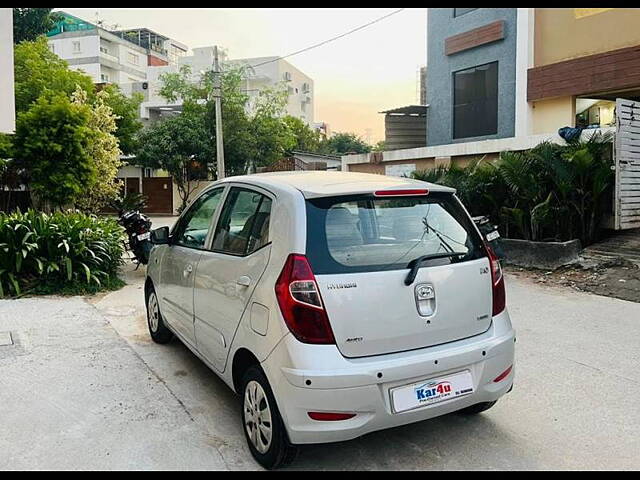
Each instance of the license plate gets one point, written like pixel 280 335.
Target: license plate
pixel 144 236
pixel 493 236
pixel 429 392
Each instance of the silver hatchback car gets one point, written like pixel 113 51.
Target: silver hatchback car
pixel 334 304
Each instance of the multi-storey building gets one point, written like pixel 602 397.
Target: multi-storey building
pixel 7 100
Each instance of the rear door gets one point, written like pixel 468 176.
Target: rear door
pixel 229 271
pixel 360 248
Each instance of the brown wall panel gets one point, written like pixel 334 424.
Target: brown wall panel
pixel 473 38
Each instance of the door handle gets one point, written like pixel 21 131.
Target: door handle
pixel 187 270
pixel 244 281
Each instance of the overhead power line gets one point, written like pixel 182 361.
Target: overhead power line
pixel 331 39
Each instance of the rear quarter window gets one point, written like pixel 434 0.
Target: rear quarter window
pixel 364 233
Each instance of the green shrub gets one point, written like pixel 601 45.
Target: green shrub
pixel 57 250
pixel 550 192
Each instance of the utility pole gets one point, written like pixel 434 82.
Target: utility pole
pixel 217 94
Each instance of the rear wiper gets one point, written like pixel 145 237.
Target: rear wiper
pixel 415 264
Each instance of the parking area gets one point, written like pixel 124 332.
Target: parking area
pixel 83 387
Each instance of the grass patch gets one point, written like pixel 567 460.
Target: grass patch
pixel 109 284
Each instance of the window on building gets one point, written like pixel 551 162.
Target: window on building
pixel 461 11
pixel 133 58
pixel 76 47
pixel 104 50
pixel 475 101
pixel 104 77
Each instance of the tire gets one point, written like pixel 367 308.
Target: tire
pixel 157 329
pixel 477 408
pixel 258 403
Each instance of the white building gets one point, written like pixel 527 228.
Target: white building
pixel 120 57
pixel 7 99
pixel 276 72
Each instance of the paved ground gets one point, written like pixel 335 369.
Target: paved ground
pixel 85 388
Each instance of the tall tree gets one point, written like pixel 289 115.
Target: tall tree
pixel 39 71
pixel 126 110
pixel 52 144
pixel 307 138
pixel 29 23
pixel 181 145
pixel 343 143
pixel 104 153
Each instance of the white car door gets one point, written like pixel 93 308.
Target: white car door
pixel 180 262
pixel 229 271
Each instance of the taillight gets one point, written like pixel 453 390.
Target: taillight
pixel 503 375
pixel 497 282
pixel 301 304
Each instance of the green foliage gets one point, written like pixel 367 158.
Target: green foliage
pixel 57 251
pixel 307 139
pixel 129 201
pixel 181 145
pixel 40 72
pixel 52 144
pixel 344 143
pixel 126 110
pixel 29 23
pixel 379 146
pixel 104 152
pixel 551 192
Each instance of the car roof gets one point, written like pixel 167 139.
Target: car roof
pixel 316 183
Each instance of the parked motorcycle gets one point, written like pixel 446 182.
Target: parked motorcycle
pixel 490 233
pixel 138 228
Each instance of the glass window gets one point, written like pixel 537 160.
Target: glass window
pixel 364 233
pixel 76 47
pixel 191 230
pixel 461 11
pixel 133 58
pixel 475 101
pixel 243 227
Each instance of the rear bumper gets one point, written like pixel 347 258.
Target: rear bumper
pixel 321 379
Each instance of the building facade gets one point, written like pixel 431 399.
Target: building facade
pixel 471 73
pixel 7 99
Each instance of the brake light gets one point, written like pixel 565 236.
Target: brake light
pixel 497 282
pixel 401 193
pixel 301 304
pixel 330 416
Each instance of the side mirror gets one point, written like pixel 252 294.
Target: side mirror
pixel 160 236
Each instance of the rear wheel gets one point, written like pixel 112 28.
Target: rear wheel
pixel 158 330
pixel 477 408
pixel 263 426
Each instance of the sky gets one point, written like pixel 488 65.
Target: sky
pixel 355 77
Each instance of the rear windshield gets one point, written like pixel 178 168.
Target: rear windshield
pixel 363 233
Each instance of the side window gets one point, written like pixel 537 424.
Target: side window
pixel 244 223
pixel 194 226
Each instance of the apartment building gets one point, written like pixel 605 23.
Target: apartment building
pixel 7 99
pixel 121 57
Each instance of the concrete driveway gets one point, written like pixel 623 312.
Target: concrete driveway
pixel 85 388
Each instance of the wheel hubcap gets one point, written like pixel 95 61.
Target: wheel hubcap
pixel 257 416
pixel 153 314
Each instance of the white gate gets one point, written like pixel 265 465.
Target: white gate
pixel 627 164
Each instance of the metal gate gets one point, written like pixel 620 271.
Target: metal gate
pixel 159 193
pixel 627 164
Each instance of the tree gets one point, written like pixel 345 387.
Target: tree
pixel 52 143
pixel 307 138
pixel 181 145
pixel 126 110
pixel 343 143
pixel 29 23
pixel 103 150
pixel 39 71
pixel 379 147
pixel 254 134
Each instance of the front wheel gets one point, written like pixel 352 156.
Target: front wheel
pixel 158 330
pixel 263 426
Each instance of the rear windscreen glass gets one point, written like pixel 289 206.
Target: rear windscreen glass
pixel 362 233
